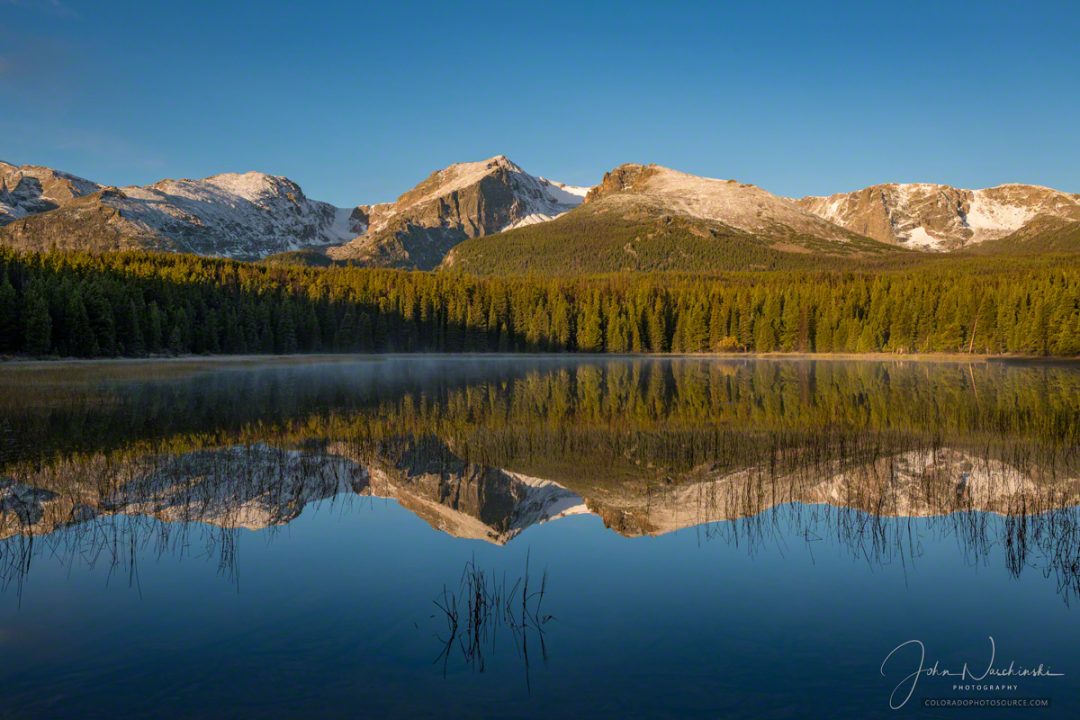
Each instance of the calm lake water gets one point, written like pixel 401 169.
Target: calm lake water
pixel 538 536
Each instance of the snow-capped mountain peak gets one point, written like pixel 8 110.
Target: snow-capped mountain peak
pixel 461 201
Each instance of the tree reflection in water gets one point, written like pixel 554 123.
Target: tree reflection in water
pixel 869 454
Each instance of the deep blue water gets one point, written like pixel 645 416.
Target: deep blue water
pixel 335 614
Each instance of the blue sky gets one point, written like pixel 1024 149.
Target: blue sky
pixel 359 102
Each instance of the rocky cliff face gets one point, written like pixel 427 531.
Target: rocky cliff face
pixel 463 201
pixel 34 189
pixel 940 217
pixel 243 216
pixel 625 178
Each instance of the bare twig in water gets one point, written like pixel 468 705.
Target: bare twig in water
pixel 484 607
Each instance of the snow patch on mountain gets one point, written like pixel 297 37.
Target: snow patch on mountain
pixel 565 194
pixel 987 217
pixel 919 238
pixel 546 200
pixel 345 226
pixel 547 500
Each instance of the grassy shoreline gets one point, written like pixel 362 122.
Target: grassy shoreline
pixel 300 358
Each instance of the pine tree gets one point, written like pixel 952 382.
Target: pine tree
pixel 129 335
pixel 618 333
pixel 99 313
pixel 37 324
pixel 177 346
pixel 81 339
pixel 345 339
pixel 657 327
pixel 285 336
pixel 791 326
pixel 590 324
pixel 9 315
pixel 155 336
pixel 695 331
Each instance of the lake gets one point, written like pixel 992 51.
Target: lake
pixel 537 536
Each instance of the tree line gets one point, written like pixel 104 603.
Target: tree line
pixel 139 303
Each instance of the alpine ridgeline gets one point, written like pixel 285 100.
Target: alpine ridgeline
pixel 492 217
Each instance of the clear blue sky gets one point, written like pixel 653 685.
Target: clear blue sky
pixel 359 102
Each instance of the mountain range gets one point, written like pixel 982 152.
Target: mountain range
pixel 492 216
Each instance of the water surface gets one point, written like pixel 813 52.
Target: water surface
pixel 520 537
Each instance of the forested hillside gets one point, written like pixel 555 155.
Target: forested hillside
pixel 136 303
pixel 606 236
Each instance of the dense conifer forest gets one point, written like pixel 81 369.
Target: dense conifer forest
pixel 138 303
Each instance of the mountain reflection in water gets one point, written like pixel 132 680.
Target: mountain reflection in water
pixel 485 448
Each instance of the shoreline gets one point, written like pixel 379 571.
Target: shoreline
pixel 26 362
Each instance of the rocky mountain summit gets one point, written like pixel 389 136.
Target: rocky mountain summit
pixel 925 216
pixel 32 189
pixel 465 200
pixel 735 204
